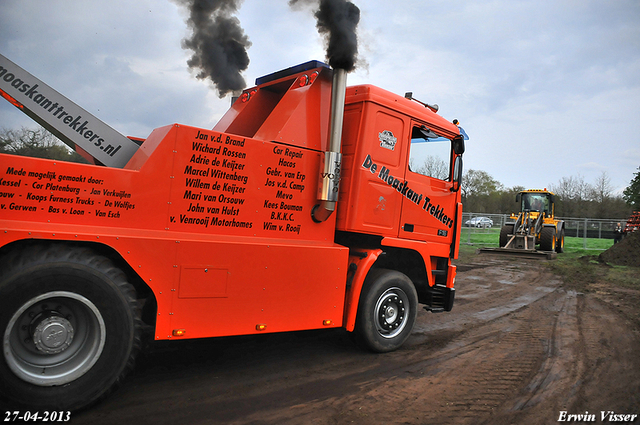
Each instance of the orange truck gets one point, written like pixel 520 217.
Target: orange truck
pixel 299 210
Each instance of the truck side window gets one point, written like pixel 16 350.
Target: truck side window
pixel 430 154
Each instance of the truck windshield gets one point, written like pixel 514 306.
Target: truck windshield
pixel 430 154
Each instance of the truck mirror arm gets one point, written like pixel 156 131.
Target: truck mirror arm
pixel 457 174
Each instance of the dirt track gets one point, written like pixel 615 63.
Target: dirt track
pixel 519 347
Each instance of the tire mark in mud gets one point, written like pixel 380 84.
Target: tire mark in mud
pixel 558 348
pixel 499 351
pixel 607 359
pixel 496 370
pixel 467 380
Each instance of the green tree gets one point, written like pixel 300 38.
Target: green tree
pixel 480 191
pixel 631 194
pixel 478 182
pixel 508 202
pixel 38 143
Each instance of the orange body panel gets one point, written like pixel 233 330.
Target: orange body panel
pixel 284 111
pixel 193 200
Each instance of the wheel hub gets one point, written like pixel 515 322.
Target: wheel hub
pixel 54 338
pixel 53 335
pixel 391 312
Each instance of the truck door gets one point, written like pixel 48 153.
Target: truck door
pixel 428 205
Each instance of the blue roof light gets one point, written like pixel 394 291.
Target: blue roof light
pixel 290 71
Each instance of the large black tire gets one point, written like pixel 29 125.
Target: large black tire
pixel 560 242
pixel 548 239
pixel 387 311
pixel 69 325
pixel 505 231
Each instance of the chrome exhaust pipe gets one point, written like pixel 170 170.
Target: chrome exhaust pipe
pixel 329 183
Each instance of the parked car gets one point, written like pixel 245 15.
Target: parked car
pixel 479 222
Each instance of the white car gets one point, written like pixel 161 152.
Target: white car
pixel 479 222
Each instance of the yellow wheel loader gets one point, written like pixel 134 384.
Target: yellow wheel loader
pixel 535 225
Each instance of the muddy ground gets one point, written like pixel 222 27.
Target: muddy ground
pixel 519 347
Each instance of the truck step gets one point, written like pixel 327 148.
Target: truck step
pixel 434 309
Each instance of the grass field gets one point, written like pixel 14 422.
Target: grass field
pixel 578 267
pixel 488 238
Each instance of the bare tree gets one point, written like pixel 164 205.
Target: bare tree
pixel 433 166
pixel 601 195
pixel 601 191
pixel 37 143
pixel 573 193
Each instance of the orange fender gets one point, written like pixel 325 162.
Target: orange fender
pixel 362 259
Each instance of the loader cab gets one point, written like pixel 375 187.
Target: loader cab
pixel 536 202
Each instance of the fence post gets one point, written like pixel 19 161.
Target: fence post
pixel 584 244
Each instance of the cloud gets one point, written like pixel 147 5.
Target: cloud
pixel 541 87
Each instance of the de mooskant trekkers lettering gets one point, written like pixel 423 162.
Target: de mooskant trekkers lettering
pixel 403 188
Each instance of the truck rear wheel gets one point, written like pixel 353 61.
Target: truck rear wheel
pixel 548 239
pixel 69 326
pixel 386 312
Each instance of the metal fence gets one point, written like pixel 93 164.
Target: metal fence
pixel 586 228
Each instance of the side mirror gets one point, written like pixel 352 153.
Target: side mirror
pixel 518 197
pixel 457 174
pixel 458 145
pixel 552 198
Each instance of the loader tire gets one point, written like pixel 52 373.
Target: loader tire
pixel 69 325
pixel 386 312
pixel 560 242
pixel 505 231
pixel 548 239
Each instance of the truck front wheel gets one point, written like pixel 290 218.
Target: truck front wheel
pixel 69 327
pixel 387 310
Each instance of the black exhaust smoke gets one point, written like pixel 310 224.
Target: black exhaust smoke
pixel 337 21
pixel 218 42
pixel 220 45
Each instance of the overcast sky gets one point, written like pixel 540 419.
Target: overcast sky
pixel 545 89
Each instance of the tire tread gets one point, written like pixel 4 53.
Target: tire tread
pixel 34 256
